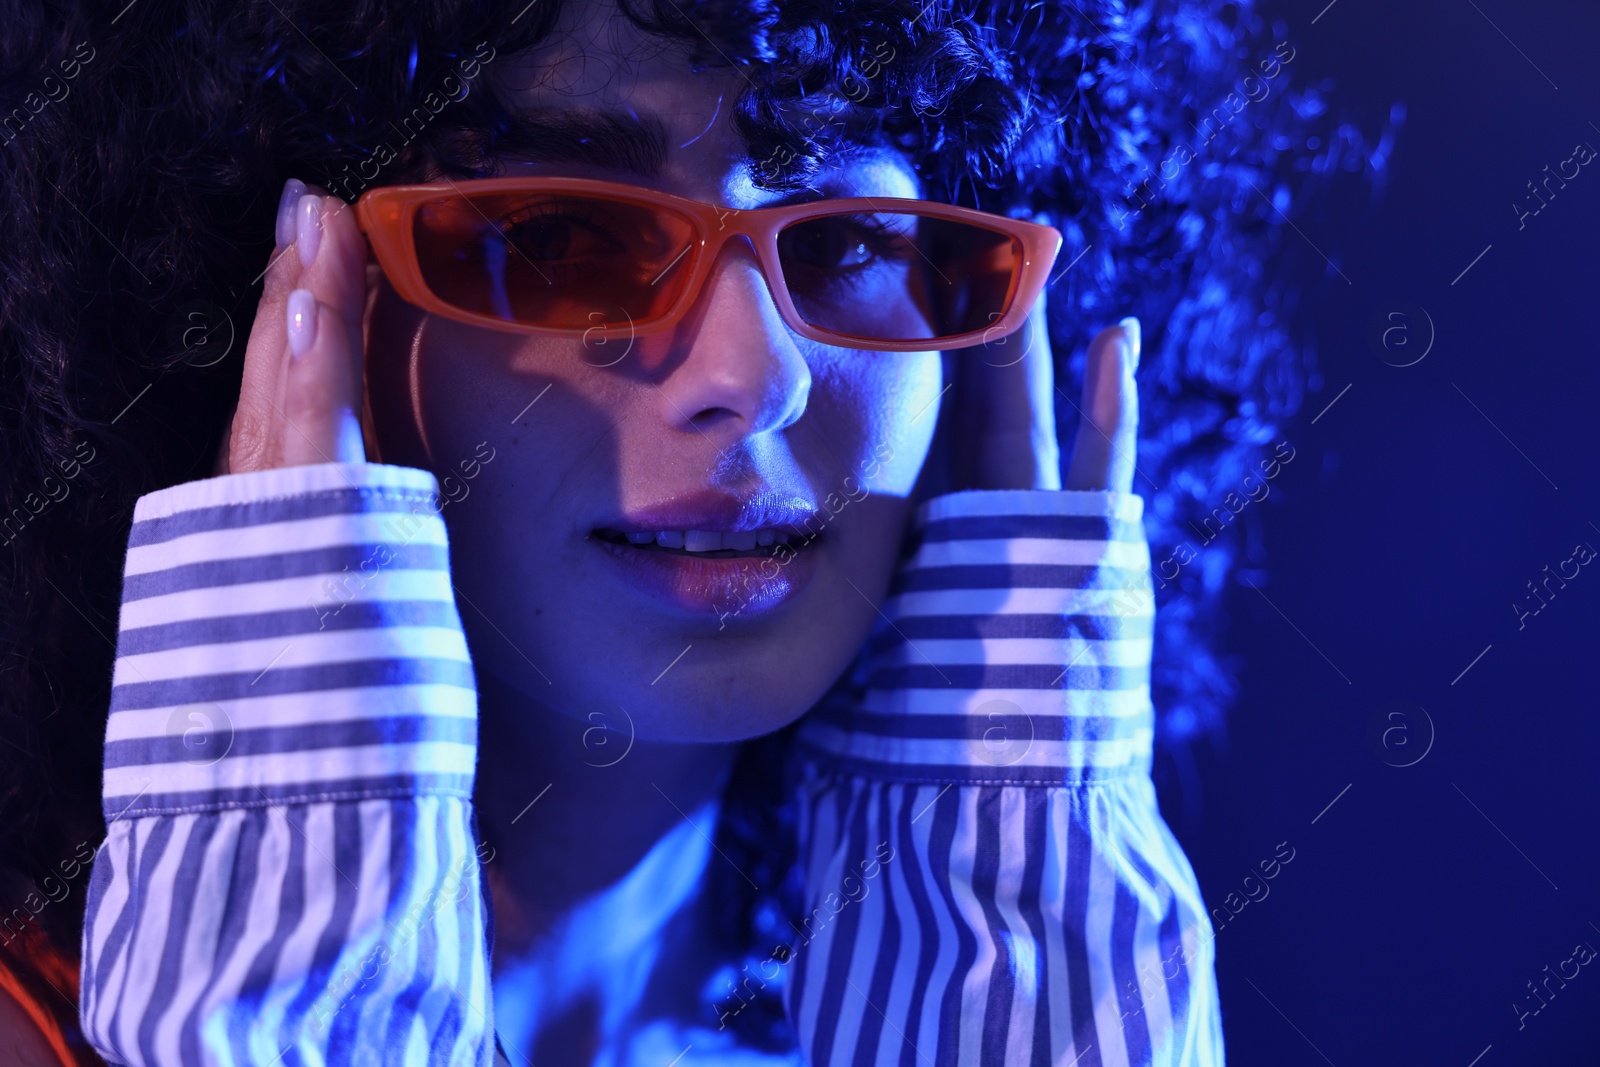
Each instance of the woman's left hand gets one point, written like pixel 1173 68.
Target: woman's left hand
pixel 1004 412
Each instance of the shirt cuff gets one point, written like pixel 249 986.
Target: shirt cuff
pixel 1105 515
pixel 1014 646
pixel 289 635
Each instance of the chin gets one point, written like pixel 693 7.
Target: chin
pixel 729 700
pixel 723 689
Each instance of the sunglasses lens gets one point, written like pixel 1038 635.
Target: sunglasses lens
pixel 898 276
pixel 560 260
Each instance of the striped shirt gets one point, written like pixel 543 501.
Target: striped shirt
pixel 291 874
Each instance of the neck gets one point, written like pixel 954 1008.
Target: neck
pixel 601 843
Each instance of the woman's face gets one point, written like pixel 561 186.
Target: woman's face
pixel 552 450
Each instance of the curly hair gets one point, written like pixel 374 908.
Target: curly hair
pixel 146 145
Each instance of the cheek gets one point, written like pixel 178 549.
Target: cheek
pixel 529 403
pixel 550 426
pixel 875 414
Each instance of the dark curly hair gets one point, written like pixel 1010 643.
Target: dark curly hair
pixel 140 173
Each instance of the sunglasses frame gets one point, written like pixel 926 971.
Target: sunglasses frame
pixel 387 215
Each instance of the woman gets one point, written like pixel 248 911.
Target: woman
pixel 214 927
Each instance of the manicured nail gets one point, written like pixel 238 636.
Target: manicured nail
pixel 293 190
pixel 308 228
pixel 1130 326
pixel 302 321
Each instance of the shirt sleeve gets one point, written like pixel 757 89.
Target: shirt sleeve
pixel 290 873
pixel 988 879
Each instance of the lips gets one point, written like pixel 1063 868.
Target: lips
pixel 708 509
pixel 713 553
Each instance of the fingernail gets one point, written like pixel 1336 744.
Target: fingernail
pixel 293 190
pixel 302 321
pixel 308 228
pixel 1130 326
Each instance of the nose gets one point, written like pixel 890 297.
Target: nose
pixel 742 373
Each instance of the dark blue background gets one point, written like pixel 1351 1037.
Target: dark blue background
pixel 1420 904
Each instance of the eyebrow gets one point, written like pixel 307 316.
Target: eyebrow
pixel 617 140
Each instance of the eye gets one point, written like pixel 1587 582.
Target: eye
pixel 550 232
pixel 829 244
pixel 541 238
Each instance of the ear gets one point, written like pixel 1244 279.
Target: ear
pixel 369 433
pixel 391 417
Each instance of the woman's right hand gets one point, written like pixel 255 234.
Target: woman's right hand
pixel 300 401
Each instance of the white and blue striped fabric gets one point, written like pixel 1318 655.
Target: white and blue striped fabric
pixel 291 874
pixel 988 765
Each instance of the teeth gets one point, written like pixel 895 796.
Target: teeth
pixel 707 540
pixel 702 540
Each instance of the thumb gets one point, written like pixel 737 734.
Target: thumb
pixel 1105 447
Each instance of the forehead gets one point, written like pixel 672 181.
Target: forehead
pixel 603 97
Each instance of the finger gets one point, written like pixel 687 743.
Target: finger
pixel 286 424
pixel 250 444
pixel 1010 393
pixel 337 273
pixel 1105 447
pixel 321 393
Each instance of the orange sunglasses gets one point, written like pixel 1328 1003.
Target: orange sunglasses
pixel 601 260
